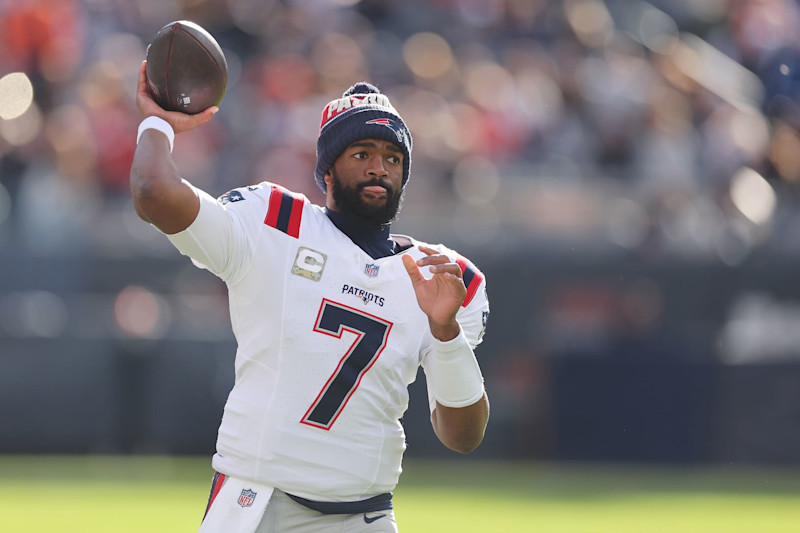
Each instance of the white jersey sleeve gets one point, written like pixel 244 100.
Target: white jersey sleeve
pixel 221 239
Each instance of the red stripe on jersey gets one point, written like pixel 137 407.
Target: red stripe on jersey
pixel 285 211
pixel 216 486
pixel 294 217
pixel 472 278
pixel 274 208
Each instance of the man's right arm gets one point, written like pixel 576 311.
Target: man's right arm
pixel 160 195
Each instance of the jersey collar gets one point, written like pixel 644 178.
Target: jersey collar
pixel 374 240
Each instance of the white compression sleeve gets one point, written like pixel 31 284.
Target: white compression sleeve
pixel 453 373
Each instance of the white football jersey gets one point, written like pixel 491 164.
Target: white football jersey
pixel 328 341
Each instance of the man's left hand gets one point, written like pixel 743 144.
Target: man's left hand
pixel 440 296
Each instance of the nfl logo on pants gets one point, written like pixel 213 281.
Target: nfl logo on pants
pixel 246 498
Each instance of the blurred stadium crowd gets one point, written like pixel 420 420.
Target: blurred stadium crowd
pixel 670 127
pixel 658 131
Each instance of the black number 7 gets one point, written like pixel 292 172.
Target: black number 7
pixel 371 333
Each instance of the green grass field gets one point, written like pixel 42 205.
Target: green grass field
pixel 163 494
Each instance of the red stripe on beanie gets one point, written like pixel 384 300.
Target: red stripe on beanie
pixel 347 102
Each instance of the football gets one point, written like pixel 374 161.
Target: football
pixel 186 69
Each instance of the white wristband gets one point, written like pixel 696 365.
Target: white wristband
pixel 157 123
pixel 453 373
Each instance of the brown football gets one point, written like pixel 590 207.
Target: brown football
pixel 186 69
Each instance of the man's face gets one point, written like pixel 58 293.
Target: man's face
pixel 366 180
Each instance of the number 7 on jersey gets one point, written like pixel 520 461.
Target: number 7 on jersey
pixel 371 334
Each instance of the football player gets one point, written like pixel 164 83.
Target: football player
pixel 332 314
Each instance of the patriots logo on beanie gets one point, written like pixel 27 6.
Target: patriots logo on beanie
pixel 398 128
pixel 362 112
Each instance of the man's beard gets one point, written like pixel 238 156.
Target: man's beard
pixel 348 200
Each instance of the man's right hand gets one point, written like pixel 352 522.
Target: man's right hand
pixel 180 122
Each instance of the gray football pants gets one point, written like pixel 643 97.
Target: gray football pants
pixel 284 515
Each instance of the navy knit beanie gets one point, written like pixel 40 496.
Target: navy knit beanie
pixel 361 113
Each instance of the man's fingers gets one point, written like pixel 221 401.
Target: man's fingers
pixel 448 268
pixel 144 100
pixel 142 82
pixel 440 264
pixel 208 113
pixel 438 259
pixel 188 122
pixel 427 250
pixel 412 269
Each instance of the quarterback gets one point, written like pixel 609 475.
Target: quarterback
pixel 332 315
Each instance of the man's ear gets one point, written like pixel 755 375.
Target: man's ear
pixel 328 178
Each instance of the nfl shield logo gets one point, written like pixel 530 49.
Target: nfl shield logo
pixel 246 498
pixel 371 270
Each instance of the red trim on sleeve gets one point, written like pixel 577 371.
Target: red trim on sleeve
pixel 293 229
pixel 216 486
pixel 472 278
pixel 285 211
pixel 274 208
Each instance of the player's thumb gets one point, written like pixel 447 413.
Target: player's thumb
pixel 208 113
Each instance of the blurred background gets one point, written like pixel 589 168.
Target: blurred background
pixel 624 172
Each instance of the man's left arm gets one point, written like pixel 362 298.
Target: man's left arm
pixel 461 411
